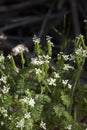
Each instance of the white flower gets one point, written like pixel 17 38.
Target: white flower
pixel 65 82
pixel 38 71
pixel 67 67
pixel 28 101
pixel 27 115
pixel 19 48
pixel 48 38
pixel 2 57
pixel 3 79
pixel 51 43
pixel 69 86
pixel 4 111
pixel 5 89
pixel 9 56
pixel 31 102
pixel 51 81
pixel 66 57
pixel 81 51
pixel 40 60
pixel 36 39
pixel 10 117
pixel 36 61
pixel 43 125
pixel 69 127
pixel 27 92
pixel 72 58
pixel 56 75
pixel 84 52
pixel 2 123
pixel 86 129
pixel 25 100
pixel 20 124
pixel 46 57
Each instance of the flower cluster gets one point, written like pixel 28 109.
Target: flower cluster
pixel 40 94
pixel 40 60
pixel 80 51
pixel 28 101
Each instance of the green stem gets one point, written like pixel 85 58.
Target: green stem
pixel 13 63
pixel 75 84
pixel 21 128
pixel 22 59
pixel 75 113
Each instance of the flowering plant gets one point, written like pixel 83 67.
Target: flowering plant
pixel 39 96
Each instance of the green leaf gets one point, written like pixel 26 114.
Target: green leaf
pixel 59 110
pixel 68 116
pixel 66 99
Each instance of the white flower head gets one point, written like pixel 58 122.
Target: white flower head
pixel 3 79
pixel 27 91
pixel 4 111
pixel 38 71
pixel 56 75
pixel 20 124
pixel 19 48
pixel 69 86
pixel 25 100
pixel 36 61
pixel 10 117
pixel 43 125
pixel 46 57
pixel 67 67
pixel 84 52
pixel 5 89
pixel 36 39
pixel 72 58
pixel 68 127
pixel 48 38
pixel 31 102
pixel 2 123
pixel 66 57
pixel 65 82
pixel 9 56
pixel 51 81
pixel 27 115
pixel 81 51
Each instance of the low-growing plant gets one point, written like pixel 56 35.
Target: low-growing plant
pixel 39 96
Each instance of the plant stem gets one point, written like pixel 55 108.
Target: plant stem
pixel 75 84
